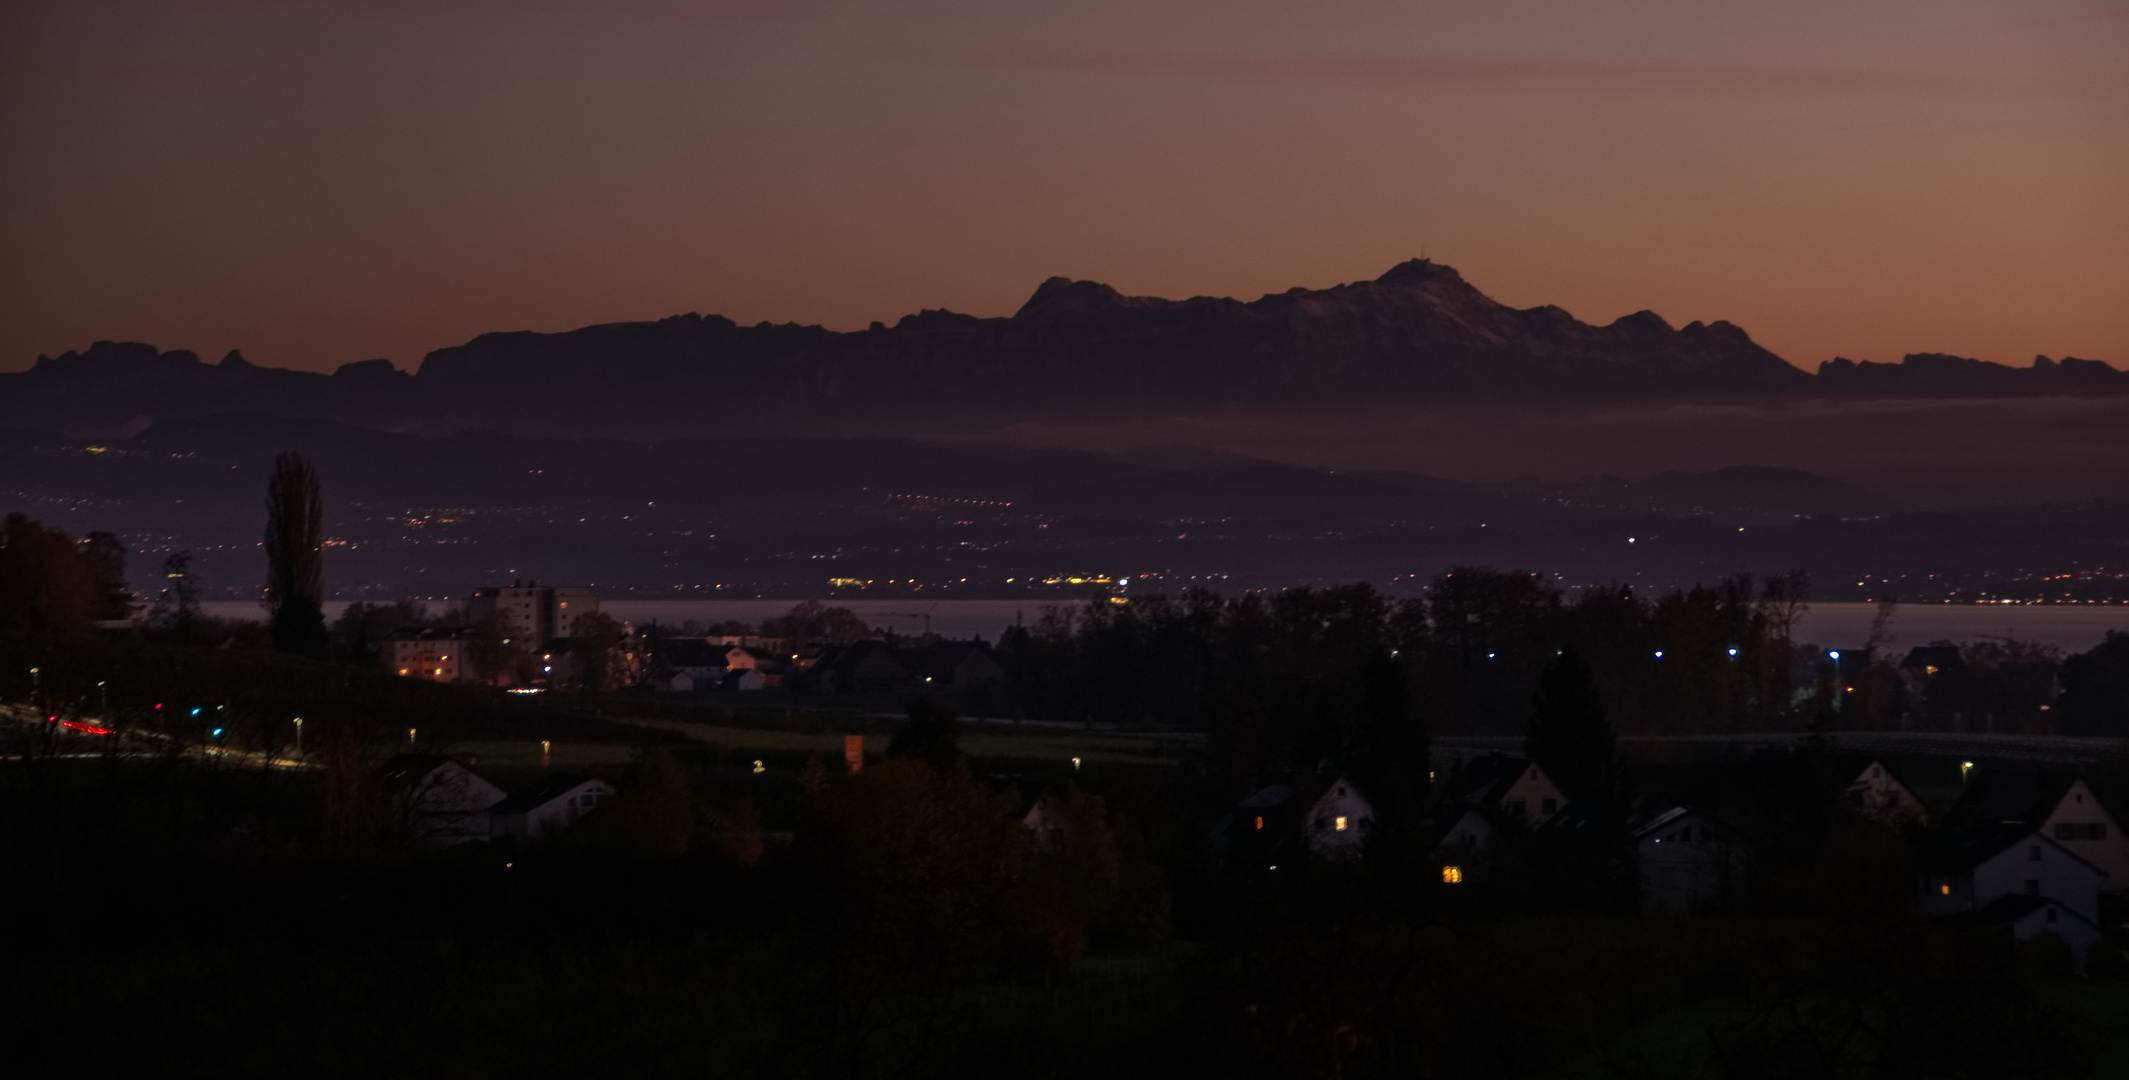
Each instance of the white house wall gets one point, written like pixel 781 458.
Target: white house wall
pixel 2109 851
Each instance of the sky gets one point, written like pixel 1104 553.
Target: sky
pixel 316 183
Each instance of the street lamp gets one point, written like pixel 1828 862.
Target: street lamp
pixel 36 685
pixel 299 736
pixel 105 696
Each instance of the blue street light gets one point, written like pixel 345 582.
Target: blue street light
pixel 1833 654
pixel 217 733
pixel 1733 650
pixel 1659 654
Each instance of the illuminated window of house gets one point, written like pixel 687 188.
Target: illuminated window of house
pixel 1452 875
pixel 1339 825
pixel 1944 889
pixel 1260 823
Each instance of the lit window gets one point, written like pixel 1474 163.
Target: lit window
pixel 1944 889
pixel 1452 875
pixel 1339 824
pixel 1260 823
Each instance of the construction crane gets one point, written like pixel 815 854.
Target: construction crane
pixel 924 615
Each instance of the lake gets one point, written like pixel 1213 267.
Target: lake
pixel 2070 627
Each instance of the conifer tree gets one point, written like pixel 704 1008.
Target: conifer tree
pixel 295 561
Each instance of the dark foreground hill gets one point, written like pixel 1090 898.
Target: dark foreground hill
pixel 1076 351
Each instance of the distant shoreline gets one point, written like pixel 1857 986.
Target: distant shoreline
pixel 2070 627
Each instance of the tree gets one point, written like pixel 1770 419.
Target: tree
pixel 652 812
pixel 45 584
pixel 2095 695
pixel 495 645
pixel 295 561
pixel 811 623
pixel 1571 737
pixel 933 736
pixel 592 645
pixel 177 606
pixel 105 557
pixel 362 626
pixel 1569 734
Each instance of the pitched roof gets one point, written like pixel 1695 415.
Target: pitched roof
pixel 412 768
pixel 1964 849
pixel 2000 795
pixel 1483 780
pixel 540 792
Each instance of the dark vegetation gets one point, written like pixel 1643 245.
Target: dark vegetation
pixel 201 899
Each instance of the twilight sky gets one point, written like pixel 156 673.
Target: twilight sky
pixel 322 182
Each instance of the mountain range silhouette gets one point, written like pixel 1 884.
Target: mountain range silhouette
pixel 1076 350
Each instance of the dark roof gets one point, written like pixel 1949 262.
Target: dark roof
pixel 1483 781
pixel 941 659
pixel 410 768
pixel 842 660
pixel 426 633
pixel 689 653
pixel 1965 849
pixel 1997 795
pixel 1770 781
pixel 539 793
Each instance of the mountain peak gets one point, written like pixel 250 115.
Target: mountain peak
pixel 1412 272
pixel 1064 296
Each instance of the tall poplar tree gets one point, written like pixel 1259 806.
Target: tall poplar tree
pixel 295 561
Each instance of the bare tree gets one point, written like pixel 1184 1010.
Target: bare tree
pixel 177 606
pixel 295 561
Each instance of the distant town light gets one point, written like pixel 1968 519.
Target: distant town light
pixel 1452 875
pixel 1965 768
pixel 1733 650
pixel 759 767
pixel 1659 654
pixel 216 733
pixel 1833 654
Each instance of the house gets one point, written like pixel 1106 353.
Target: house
pixel 1688 862
pixel 866 667
pixel 1516 787
pixel 747 658
pixel 432 654
pixel 674 682
pixel 1323 818
pixel 543 810
pixel 1876 794
pixel 2058 804
pixel 2013 877
pixel 958 665
pixel 437 801
pixel 1479 845
pixel 743 679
